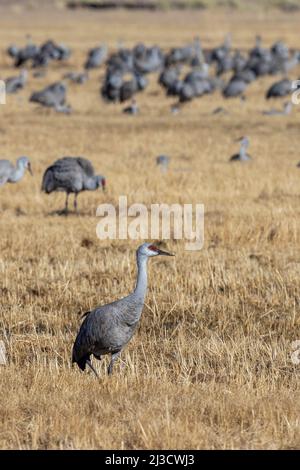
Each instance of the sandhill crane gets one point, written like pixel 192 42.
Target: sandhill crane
pixel 220 110
pixel 163 162
pixel 13 84
pixel 287 108
pixel 22 55
pixel 242 156
pixel 282 88
pixel 11 174
pixel 132 109
pixel 52 96
pixel 107 329
pixel 71 175
pixel 234 88
pixel 50 51
pixel 96 57
pixel 77 77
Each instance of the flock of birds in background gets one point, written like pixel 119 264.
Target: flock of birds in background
pixel 186 73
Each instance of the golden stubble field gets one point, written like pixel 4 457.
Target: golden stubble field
pixel 210 366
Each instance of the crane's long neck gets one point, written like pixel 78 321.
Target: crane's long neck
pixel 91 183
pixel 141 283
pixel 135 301
pixel 18 173
pixel 243 149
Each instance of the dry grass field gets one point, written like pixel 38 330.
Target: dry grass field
pixel 210 365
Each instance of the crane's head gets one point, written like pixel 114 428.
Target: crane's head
pixel 25 163
pixel 243 141
pixel 148 249
pixel 101 182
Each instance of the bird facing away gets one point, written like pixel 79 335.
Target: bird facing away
pixel 234 88
pixel 242 156
pixel 71 175
pixel 11 174
pixel 107 329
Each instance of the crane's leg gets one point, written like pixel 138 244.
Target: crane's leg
pixel 93 369
pixel 66 205
pixel 66 209
pixel 114 356
pixel 75 203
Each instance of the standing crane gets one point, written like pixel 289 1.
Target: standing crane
pixel 242 156
pixel 163 162
pixel 107 329
pixel 71 175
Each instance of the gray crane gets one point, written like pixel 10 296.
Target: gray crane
pixel 282 88
pixel 76 77
pixel 71 175
pixel 287 109
pixel 13 84
pixel 163 162
pixel 96 57
pixel 132 109
pixel 53 96
pixel 107 329
pixel 234 88
pixel 242 156
pixel 11 174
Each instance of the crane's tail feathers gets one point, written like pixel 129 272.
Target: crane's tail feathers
pixel 85 314
pixel 48 184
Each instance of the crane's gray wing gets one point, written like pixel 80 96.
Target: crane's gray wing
pixel 80 163
pixel 86 166
pixel 105 330
pixel 62 176
pixel 88 336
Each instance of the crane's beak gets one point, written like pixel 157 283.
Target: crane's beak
pixel 165 253
pixel 29 169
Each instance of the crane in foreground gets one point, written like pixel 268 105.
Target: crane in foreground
pixel 71 175
pixel 107 329
pixel 11 174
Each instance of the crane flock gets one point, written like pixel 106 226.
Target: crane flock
pixel 186 72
